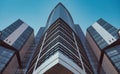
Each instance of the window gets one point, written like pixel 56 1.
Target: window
pixel 5 55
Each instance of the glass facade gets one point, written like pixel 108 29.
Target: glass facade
pixel 112 52
pixel 60 36
pixel 60 39
pixel 22 38
pixel 5 56
pixel 60 12
pixel 22 46
pixel 108 27
pixel 97 38
pixel 39 35
pixel 89 53
pixel 57 40
pixel 114 55
pixel 33 57
pixel 7 31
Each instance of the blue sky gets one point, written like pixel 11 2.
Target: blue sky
pixel 35 12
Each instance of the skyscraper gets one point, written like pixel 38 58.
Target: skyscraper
pixel 60 47
pixel 15 43
pixel 59 50
pixel 104 41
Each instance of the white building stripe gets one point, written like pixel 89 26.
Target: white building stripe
pixel 59 58
pixel 78 52
pixel 104 34
pixel 14 36
pixel 41 48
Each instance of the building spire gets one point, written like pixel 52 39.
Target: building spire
pixel 60 12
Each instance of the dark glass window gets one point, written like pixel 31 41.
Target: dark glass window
pixel 5 55
pixel 114 54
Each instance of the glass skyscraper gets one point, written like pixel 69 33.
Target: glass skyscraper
pixel 60 50
pixel 15 43
pixel 60 47
pixel 104 41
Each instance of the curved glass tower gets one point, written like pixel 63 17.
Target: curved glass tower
pixel 60 50
pixel 60 12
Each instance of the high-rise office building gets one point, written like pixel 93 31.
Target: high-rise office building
pixel 104 41
pixel 60 47
pixel 92 59
pixel 15 43
pixel 38 39
pixel 59 50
